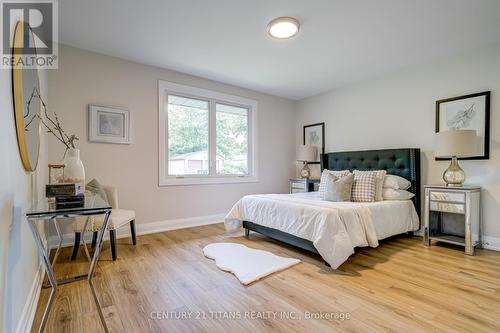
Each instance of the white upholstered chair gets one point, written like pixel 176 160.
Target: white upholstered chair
pixel 117 219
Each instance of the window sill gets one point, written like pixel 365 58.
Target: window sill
pixel 174 181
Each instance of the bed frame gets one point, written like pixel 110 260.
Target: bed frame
pixel 404 162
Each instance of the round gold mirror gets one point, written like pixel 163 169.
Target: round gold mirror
pixel 26 95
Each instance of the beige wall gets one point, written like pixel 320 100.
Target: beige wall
pixel 84 77
pixel 18 189
pixel 398 111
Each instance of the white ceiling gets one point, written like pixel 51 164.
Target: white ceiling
pixel 340 41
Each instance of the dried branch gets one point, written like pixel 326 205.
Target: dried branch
pixel 52 125
pixel 27 124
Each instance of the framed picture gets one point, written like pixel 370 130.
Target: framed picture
pixel 109 124
pixel 466 112
pixel 314 135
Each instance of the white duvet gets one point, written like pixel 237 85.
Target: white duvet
pixel 335 228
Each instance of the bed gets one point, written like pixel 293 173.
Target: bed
pixel 334 229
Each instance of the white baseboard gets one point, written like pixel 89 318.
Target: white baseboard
pixel 491 243
pixel 29 310
pixel 160 226
pixel 146 228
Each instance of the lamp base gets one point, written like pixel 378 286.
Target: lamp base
pixel 305 173
pixel 454 176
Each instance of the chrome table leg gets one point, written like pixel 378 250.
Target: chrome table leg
pixel 56 255
pixel 50 273
pixel 93 266
pixel 83 239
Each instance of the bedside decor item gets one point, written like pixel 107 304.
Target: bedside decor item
pixel 314 135
pixel 467 112
pixel 109 124
pixel 453 215
pixel 305 154
pixel 27 105
pixel 454 144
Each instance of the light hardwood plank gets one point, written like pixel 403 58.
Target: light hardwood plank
pixel 401 286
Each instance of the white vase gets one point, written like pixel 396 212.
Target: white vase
pixel 74 172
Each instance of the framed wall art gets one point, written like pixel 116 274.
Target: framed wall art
pixel 466 112
pixel 314 135
pixel 109 124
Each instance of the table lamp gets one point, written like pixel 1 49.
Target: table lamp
pixel 454 144
pixel 306 153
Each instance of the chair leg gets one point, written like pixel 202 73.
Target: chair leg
pixel 112 239
pixel 76 245
pixel 132 231
pixel 94 239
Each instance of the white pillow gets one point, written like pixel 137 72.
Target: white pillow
pixel 323 180
pixel 392 194
pixel 396 182
pixel 379 175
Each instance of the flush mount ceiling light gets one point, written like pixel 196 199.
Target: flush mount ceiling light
pixel 283 27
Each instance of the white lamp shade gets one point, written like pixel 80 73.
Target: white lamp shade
pixel 459 143
pixel 306 153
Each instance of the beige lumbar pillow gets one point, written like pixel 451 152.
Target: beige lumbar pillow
pixel 324 175
pixel 338 188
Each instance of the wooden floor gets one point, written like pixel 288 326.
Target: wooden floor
pixel 401 286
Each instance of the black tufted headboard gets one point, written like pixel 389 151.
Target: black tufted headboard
pixel 404 162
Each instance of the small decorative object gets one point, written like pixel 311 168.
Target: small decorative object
pixel 70 201
pixel 109 124
pixel 305 154
pixel 56 173
pixel 454 144
pixel 74 172
pixel 63 189
pixel 314 135
pixel 467 112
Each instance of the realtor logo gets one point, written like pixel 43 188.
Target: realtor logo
pixel 29 34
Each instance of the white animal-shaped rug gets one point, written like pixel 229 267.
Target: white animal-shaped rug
pixel 247 264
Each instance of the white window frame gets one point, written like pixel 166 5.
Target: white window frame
pixel 166 88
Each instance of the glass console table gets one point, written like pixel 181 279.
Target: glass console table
pixel 46 210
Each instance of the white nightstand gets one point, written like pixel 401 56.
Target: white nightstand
pixel 453 215
pixel 303 185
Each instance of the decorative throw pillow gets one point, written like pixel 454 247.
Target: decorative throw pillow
pixel 396 182
pixel 364 186
pixel 338 188
pixel 380 175
pixel 322 182
pixel 95 187
pixel 392 194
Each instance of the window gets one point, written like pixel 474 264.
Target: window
pixel 205 137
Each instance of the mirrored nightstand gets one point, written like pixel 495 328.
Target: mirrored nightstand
pixel 453 215
pixel 303 185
